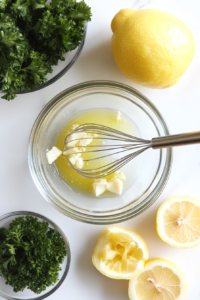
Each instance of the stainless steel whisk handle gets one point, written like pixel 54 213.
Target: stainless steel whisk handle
pixel 176 140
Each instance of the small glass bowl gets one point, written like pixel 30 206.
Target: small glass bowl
pixel 62 67
pixel 154 165
pixel 6 291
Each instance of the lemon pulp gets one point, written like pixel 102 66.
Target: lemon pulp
pixel 178 222
pixel 106 117
pixel 159 280
pixel 120 253
pixel 154 278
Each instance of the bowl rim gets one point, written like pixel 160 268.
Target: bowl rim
pixel 68 256
pixel 84 217
pixel 78 49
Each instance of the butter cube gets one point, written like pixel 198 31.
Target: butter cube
pixel 99 186
pixel 115 186
pixel 53 154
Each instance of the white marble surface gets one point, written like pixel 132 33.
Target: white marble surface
pixel 180 107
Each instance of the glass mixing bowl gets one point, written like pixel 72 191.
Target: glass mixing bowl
pixel 151 171
pixel 6 291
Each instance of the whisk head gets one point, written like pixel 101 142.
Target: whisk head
pixel 107 149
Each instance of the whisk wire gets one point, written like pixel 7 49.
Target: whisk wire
pixel 101 129
pixel 119 143
pixel 108 168
pixel 112 149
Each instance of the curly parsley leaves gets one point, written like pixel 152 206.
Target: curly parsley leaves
pixel 33 37
pixel 30 254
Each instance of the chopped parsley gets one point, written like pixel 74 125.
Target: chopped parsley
pixel 34 36
pixel 30 254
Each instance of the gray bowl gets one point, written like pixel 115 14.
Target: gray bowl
pixel 6 291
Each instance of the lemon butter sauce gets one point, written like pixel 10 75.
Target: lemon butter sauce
pixel 106 117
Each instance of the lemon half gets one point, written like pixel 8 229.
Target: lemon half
pixel 178 222
pixel 159 280
pixel 120 253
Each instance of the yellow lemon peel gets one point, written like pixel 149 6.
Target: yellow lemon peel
pixel 151 47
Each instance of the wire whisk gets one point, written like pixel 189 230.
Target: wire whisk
pixel 103 143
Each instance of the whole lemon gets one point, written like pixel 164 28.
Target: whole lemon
pixel 151 47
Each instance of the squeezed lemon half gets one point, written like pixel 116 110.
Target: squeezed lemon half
pixel 178 222
pixel 120 253
pixel 159 280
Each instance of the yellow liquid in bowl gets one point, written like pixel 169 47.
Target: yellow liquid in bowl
pixel 106 117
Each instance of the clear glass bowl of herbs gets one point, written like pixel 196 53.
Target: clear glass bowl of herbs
pixel 34 256
pixel 39 42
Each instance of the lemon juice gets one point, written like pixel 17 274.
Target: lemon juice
pixel 106 117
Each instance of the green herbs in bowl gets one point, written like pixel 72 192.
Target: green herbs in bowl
pixel 34 36
pixel 32 252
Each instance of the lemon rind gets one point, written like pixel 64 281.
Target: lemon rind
pixel 161 58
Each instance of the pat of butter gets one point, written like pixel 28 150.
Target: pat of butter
pixel 118 116
pixel 120 175
pixel 74 126
pixel 74 158
pixel 74 139
pixel 73 150
pixel 85 142
pixel 75 144
pixel 53 154
pixel 115 186
pixel 79 163
pixel 99 186
pixel 80 138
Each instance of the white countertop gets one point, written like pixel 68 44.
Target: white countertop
pixel 180 107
